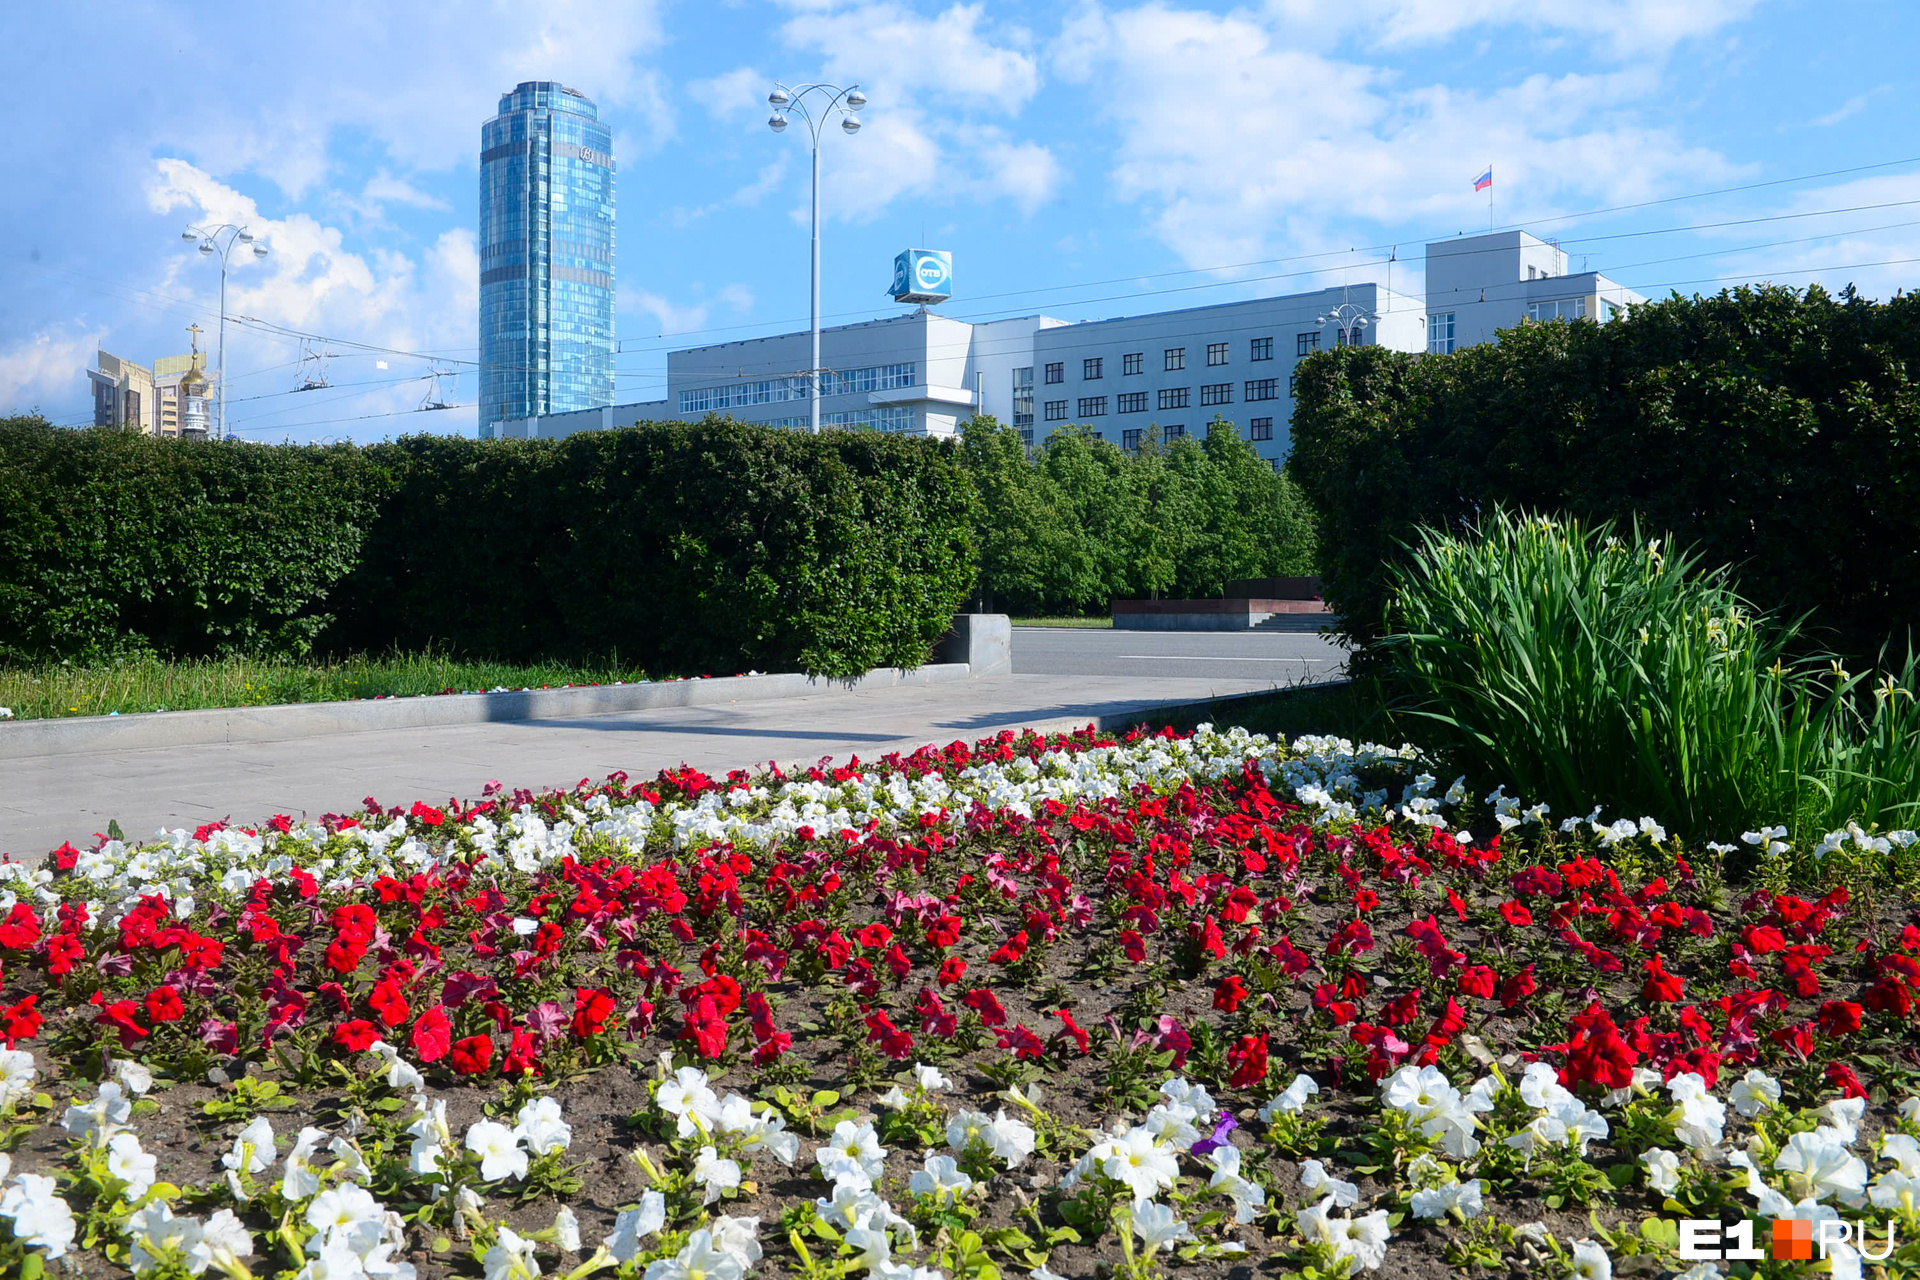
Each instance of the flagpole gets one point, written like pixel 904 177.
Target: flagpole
pixel 1489 195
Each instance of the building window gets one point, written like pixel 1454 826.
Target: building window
pixel 1056 411
pixel 1026 437
pixel 1131 402
pixel 1261 429
pixel 1093 406
pixel 1260 349
pixel 1131 362
pixel 1056 373
pixel 1173 432
pixel 1216 393
pixel 1174 397
pixel 1262 388
pixel 1354 337
pixel 1130 440
pixel 1090 368
pixel 1306 342
pixel 1176 359
pixel 1023 397
pixel 1293 385
pixel 1216 353
pixel 1440 333
pixel 1563 309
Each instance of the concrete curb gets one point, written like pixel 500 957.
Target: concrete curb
pixel 88 734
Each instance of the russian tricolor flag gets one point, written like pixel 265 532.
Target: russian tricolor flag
pixel 1484 181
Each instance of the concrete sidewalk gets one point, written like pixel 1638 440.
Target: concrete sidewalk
pixel 47 799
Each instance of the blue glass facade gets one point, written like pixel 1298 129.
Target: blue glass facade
pixel 546 255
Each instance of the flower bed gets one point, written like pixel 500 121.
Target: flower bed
pixel 1034 1006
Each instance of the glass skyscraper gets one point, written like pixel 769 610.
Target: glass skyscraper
pixel 546 255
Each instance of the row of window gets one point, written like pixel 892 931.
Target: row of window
pixel 1258 430
pixel 1174 359
pixel 881 377
pixel 888 418
pixel 1211 394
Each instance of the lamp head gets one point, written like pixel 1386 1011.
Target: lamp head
pixel 778 123
pixel 778 99
pixel 259 250
pixel 855 99
pixel 206 246
pixel 851 124
pixel 188 235
pixel 243 236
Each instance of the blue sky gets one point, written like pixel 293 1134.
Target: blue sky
pixel 1081 159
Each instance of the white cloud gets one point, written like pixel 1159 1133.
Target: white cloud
pixel 310 282
pixel 688 318
pixel 47 366
pixel 909 57
pixel 1239 142
pixel 1847 110
pixel 926 79
pixel 1623 29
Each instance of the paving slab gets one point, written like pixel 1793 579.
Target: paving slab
pixel 47 799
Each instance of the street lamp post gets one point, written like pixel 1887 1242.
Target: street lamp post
pixel 847 102
pixel 1349 318
pixel 211 242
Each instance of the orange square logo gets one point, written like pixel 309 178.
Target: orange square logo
pixel 1792 1238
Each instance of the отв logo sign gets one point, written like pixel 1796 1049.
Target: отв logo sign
pixel 931 273
pixel 1792 1239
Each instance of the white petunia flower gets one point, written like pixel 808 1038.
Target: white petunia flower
pixel 540 1125
pixel 1314 1177
pixel 1663 1169
pixel 1590 1261
pixel 1158 1227
pixel 499 1149
pixel 716 1173
pixel 1290 1100
pixel 940 1178
pixel 1754 1093
pixel 127 1162
pixel 635 1224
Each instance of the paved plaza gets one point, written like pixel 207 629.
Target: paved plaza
pixel 1063 679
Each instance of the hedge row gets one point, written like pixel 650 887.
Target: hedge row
pixel 710 547
pixel 1774 431
pixel 1077 523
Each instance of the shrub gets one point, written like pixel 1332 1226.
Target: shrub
pixel 1776 431
pixel 1584 668
pixel 708 548
pixel 112 542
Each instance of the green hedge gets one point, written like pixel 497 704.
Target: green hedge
pixel 1774 431
pixel 1070 527
pixel 113 543
pixel 707 548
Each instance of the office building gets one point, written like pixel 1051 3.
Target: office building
pixel 546 255
pixel 122 394
pixel 152 401
pixel 1170 371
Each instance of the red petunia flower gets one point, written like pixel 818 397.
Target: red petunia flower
pixel 164 1005
pixel 21 1021
pixel 1229 993
pixel 355 1036
pixel 1662 987
pixel 472 1055
pixel 433 1034
pixel 389 1003
pixel 592 1007
pixel 952 969
pixel 1248 1059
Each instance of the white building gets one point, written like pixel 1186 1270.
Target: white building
pixel 923 373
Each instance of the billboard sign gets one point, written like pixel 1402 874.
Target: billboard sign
pixel 922 276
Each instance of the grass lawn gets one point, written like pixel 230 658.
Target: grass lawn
pixel 153 684
pixel 1105 622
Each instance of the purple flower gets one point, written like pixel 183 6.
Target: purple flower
pixel 1207 1146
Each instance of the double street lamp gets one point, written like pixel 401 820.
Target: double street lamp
pixel 830 98
pixel 1349 318
pixel 221 240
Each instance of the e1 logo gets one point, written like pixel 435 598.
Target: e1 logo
pixel 1793 1239
pixel 1701 1241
